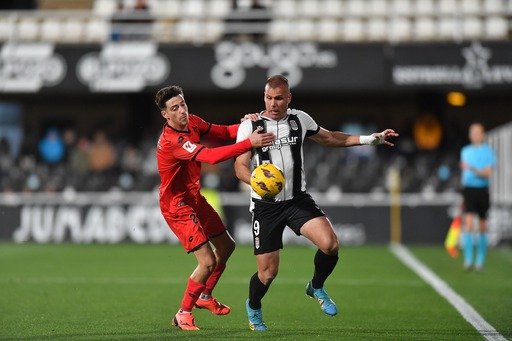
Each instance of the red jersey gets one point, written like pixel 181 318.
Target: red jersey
pixel 179 156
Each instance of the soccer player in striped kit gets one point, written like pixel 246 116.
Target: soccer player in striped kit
pixel 194 222
pixel 293 206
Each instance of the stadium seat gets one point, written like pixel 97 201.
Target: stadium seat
pixel 163 31
pixel 470 7
pixel 494 7
pixel 304 30
pixel 496 27
pixel 328 30
pixel 472 28
pixel 213 29
pixel 332 8
pixel 97 30
pixel 279 29
pixel 448 7
pixel 190 30
pixel 448 28
pixel 309 8
pixel 7 27
pixel 167 8
pixel 377 29
pixel 104 7
pixel 424 28
pixel 378 7
pixel 353 30
pixel 284 9
pixel 51 30
pixel 356 8
pixel 73 30
pixel 27 29
pixel 218 8
pixel 401 7
pixel 424 7
pixel 399 29
pixel 193 8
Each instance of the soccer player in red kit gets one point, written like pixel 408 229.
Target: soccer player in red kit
pixel 194 222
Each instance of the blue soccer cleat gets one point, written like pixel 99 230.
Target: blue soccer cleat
pixel 327 305
pixel 255 318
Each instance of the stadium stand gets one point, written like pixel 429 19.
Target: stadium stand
pixel 178 21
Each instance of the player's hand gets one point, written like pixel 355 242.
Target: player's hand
pixel 260 139
pixel 464 165
pixel 253 117
pixel 382 138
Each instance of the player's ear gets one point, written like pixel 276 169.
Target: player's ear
pixel 164 114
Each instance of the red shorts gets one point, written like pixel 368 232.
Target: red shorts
pixel 195 225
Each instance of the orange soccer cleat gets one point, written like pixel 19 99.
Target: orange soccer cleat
pixel 213 305
pixel 184 321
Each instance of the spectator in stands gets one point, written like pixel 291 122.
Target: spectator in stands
pixel 256 15
pixel 102 156
pixel 476 161
pixel 131 23
pixel 51 147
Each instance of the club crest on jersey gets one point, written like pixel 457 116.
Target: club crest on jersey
pixel 293 124
pixel 180 139
pixel 282 142
pixel 189 146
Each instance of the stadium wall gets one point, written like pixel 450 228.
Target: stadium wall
pixel 116 217
pixel 230 67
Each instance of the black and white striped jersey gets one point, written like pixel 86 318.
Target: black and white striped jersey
pixel 286 152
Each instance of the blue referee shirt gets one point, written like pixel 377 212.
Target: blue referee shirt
pixel 479 157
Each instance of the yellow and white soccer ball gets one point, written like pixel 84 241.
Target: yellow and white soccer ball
pixel 267 180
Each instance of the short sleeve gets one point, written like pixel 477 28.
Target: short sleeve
pixel 244 130
pixel 309 124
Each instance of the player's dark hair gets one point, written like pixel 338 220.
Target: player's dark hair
pixel 276 81
pixel 165 94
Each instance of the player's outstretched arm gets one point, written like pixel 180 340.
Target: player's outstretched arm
pixel 340 139
pixel 219 154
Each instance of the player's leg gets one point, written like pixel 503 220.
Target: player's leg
pixel 268 223
pixel 320 231
pixel 224 247
pixel 189 232
pixel 268 266
pixel 467 232
pixel 196 283
pixel 482 236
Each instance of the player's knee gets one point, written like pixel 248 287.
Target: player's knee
pixel 268 275
pixel 209 263
pixel 331 247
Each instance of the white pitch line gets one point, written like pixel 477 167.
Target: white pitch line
pixel 443 289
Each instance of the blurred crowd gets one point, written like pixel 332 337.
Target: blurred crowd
pixel 61 159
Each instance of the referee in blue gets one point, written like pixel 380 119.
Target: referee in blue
pixel 477 161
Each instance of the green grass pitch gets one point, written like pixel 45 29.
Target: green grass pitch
pixel 131 291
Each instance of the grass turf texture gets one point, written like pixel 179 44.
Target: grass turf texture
pixel 131 291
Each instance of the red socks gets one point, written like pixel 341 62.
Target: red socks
pixel 213 279
pixel 194 289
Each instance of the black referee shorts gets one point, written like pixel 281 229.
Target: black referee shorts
pixel 270 218
pixel 476 200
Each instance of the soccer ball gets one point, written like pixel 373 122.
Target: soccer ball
pixel 267 180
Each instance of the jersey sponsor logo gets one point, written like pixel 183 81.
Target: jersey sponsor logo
pixel 189 146
pixel 282 142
